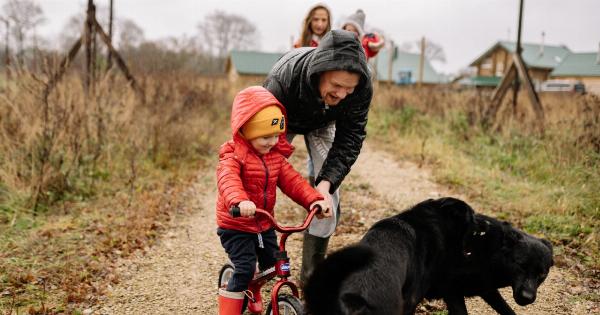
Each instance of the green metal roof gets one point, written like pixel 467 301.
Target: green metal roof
pixel 253 62
pixel 532 55
pixel 484 81
pixel 406 62
pixel 578 64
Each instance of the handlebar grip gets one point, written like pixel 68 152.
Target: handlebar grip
pixel 235 211
pixel 319 209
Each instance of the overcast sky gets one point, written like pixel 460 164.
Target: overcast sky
pixel 464 28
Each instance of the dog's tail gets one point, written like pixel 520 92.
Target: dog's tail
pixel 322 289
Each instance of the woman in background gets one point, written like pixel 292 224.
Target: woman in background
pixel 316 23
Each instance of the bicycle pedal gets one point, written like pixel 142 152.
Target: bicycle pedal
pixel 263 273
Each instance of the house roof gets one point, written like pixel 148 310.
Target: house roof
pixel 253 62
pixel 481 81
pixel 551 57
pixel 579 64
pixel 406 62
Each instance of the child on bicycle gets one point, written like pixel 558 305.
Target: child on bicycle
pixel 251 166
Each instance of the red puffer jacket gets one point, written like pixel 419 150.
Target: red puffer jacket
pixel 244 174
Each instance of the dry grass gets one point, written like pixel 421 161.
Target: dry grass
pixel 546 182
pixel 86 180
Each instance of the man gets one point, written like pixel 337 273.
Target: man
pixel 326 92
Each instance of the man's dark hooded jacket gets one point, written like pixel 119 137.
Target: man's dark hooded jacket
pixel 294 80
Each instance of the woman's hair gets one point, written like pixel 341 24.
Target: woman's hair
pixel 307 33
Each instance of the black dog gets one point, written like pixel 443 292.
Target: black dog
pixel 436 249
pixel 500 256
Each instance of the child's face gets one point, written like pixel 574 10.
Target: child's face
pixel 319 22
pixel 264 144
pixel 351 28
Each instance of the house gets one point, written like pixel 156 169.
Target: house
pixel 494 62
pixel 250 67
pixel 583 67
pixel 405 69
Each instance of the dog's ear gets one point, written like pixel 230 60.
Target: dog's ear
pixel 458 208
pixel 547 243
pixel 464 216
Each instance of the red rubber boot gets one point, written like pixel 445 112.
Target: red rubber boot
pixel 230 303
pixel 255 304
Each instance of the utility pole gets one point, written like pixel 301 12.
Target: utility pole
pixel 85 39
pixel 519 49
pixel 110 35
pixel 390 62
pixel 6 47
pixel 421 62
pixel 516 73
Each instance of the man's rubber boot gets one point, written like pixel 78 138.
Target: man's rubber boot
pixel 230 303
pixel 313 252
pixel 255 303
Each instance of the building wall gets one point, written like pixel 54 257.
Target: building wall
pixel 495 64
pixel 498 62
pixel 592 84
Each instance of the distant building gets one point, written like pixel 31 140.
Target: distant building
pixel 250 67
pixel 540 60
pixel 583 67
pixel 405 69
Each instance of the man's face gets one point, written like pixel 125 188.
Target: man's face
pixel 335 85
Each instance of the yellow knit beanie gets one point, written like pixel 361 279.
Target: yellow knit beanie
pixel 267 121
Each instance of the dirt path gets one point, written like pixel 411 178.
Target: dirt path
pixel 178 276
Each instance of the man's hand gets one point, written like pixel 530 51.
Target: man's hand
pixel 247 208
pixel 323 188
pixel 325 210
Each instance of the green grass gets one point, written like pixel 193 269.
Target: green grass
pixel 546 185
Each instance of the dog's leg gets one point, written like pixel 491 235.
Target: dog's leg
pixel 456 305
pixel 497 302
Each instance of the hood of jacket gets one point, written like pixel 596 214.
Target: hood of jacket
pixel 247 103
pixel 338 50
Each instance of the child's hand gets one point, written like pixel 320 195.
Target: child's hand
pixel 325 209
pixel 247 208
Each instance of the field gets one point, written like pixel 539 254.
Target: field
pixel 89 180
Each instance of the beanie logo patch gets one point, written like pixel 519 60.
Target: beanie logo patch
pixel 275 121
pixel 282 124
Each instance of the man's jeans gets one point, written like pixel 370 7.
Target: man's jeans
pixel 318 142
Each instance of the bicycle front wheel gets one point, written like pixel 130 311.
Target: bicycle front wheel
pixel 288 305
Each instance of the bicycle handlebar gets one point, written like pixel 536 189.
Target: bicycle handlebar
pixel 236 212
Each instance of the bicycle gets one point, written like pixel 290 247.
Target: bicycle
pixel 280 303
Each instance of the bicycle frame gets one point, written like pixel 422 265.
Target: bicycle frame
pixel 282 264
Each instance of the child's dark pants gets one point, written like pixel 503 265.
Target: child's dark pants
pixel 243 250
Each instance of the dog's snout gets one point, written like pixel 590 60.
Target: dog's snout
pixel 525 297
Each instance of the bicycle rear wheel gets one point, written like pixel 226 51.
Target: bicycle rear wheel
pixel 288 305
pixel 225 275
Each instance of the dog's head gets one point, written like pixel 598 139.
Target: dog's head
pixel 528 259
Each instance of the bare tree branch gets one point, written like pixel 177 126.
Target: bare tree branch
pixel 220 32
pixel 24 15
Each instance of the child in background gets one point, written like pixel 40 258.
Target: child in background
pixel 371 42
pixel 251 166
pixel 316 23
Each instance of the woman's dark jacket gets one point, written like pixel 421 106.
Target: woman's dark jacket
pixel 294 80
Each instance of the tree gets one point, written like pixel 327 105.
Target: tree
pixel 220 32
pixel 433 51
pixel 25 16
pixel 130 34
